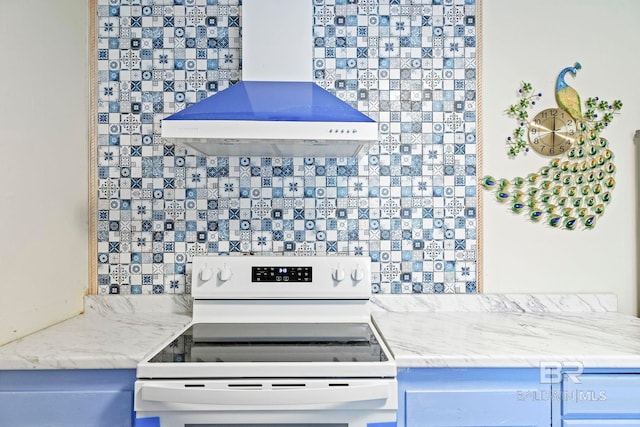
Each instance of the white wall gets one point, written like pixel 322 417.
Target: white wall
pixel 44 163
pixel 532 40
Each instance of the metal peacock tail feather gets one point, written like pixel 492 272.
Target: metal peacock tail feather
pixel 571 190
pixel 566 192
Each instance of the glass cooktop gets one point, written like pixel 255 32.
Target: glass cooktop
pixel 273 342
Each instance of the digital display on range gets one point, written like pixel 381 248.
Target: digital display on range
pixel 278 274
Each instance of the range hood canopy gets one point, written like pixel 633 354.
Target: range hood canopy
pixel 275 110
pixel 272 119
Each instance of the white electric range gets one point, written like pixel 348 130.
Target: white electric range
pixel 274 341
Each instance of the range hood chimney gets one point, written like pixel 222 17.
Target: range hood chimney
pixel 276 110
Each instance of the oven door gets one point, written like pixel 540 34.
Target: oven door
pixel 267 403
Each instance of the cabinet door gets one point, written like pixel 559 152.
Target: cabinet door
pixel 65 408
pixel 475 408
pixel 602 395
pixel 92 398
pixel 441 397
pixel 601 423
pixel 599 400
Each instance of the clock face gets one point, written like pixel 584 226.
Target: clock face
pixel 552 132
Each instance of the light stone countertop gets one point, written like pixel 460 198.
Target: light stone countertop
pixel 113 333
pixel 511 339
pixel 482 330
pixel 518 303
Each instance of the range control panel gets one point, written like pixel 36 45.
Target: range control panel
pixel 281 277
pixel 281 274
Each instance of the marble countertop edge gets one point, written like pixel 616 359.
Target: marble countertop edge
pixel 510 361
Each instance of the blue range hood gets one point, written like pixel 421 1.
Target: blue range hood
pixel 272 118
pixel 275 110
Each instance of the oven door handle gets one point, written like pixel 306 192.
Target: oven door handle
pixel 177 393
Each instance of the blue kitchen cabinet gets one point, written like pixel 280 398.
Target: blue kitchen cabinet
pixel 603 398
pixel 66 398
pixel 475 397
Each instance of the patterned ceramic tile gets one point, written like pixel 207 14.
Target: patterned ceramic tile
pixel 410 204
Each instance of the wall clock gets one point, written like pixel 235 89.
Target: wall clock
pixel 573 189
pixel 552 132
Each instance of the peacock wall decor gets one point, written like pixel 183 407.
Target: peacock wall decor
pixel 574 188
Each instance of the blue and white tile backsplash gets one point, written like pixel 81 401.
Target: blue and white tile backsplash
pixel 410 203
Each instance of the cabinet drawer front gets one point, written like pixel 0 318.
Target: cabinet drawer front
pixel 444 408
pixel 605 394
pixel 601 423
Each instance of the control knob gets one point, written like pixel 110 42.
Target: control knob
pixel 206 273
pixel 357 274
pixel 338 274
pixel 224 274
